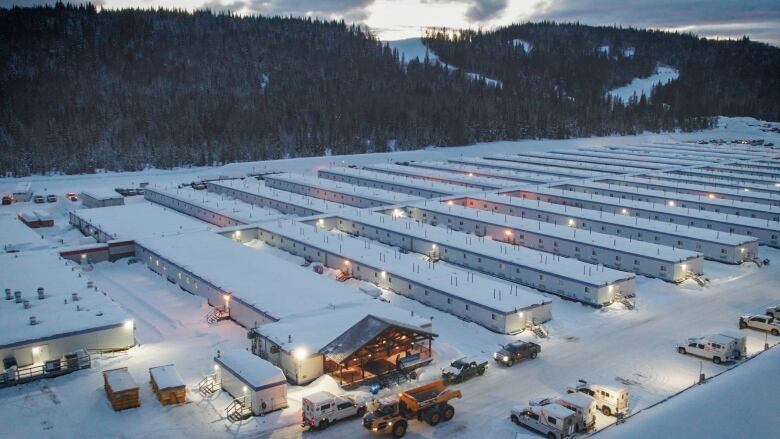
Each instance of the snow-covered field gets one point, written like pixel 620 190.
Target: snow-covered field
pixel 612 345
pixel 639 86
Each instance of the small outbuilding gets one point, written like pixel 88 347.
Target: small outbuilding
pixel 35 219
pixel 121 389
pixel 101 198
pixel 257 385
pixel 168 385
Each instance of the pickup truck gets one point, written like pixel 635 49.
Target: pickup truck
pixel 463 369
pixel 321 409
pixel 761 323
pixel 511 353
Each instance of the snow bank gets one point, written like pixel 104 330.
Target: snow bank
pixel 643 86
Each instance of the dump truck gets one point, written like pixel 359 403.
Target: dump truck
pixel 429 403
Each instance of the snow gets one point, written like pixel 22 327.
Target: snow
pixel 739 176
pixel 670 159
pixel 15 236
pixel 644 86
pixel 380 195
pixel 102 194
pixel 527 47
pixel 166 377
pixel 626 245
pixel 412 48
pixel 715 190
pixel 608 159
pixel 57 314
pixel 569 163
pixel 290 198
pixel 139 220
pixel 120 380
pixel 251 369
pixel 523 256
pixel 604 49
pixel 741 402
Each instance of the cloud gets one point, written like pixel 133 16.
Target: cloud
pixel 759 19
pixel 349 10
pixel 485 10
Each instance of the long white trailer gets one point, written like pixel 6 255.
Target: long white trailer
pixel 732 149
pixel 669 159
pixel 767 173
pixel 466 180
pixel 650 151
pixel 394 183
pixel 578 156
pixel 258 194
pixel 496 304
pixel 726 175
pixel 566 277
pixel 504 174
pixel 715 245
pixel 710 191
pixel 618 252
pixel 732 207
pixel 337 192
pixel 711 181
pixel 571 164
pixel 527 167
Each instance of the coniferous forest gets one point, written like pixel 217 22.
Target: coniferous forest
pixel 125 89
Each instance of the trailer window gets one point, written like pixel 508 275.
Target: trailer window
pixel 551 420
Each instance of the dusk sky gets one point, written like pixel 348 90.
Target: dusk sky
pixel 396 19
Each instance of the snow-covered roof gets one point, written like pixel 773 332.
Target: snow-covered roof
pixel 709 181
pixel 166 377
pixel 504 174
pixel 22 187
pixel 715 190
pixel 120 379
pixel 742 402
pixel 15 236
pixel 741 176
pixel 604 152
pixel 220 204
pixel 380 195
pixel 57 314
pixel 251 370
pixel 577 157
pixel 396 180
pixel 556 410
pixel 565 267
pixel 256 278
pixel 653 151
pixel 529 167
pixel 102 194
pixel 565 163
pixel 257 188
pixel 313 329
pixel 485 291
pixel 577 398
pixel 465 180
pixel 139 220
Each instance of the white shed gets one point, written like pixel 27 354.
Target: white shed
pixel 243 374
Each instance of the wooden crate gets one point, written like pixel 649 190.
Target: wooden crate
pixel 121 389
pixel 172 390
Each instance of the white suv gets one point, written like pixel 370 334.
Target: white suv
pixel 762 323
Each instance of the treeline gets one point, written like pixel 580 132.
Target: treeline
pixel 125 89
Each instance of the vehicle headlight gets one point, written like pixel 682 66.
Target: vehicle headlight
pixel 506 358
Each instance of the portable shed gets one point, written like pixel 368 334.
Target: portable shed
pixel 168 385
pixel 255 382
pixel 121 389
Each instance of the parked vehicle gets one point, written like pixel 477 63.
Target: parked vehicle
pixel 7 200
pixel 51 198
pixel 463 369
pixel 72 196
pixel 511 353
pixel 585 408
pixel 321 409
pixel 719 347
pixel 429 402
pixel 552 420
pixel 773 311
pixel 761 323
pixel 611 401
pixel 38 199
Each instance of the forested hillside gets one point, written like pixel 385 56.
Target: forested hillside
pixel 82 89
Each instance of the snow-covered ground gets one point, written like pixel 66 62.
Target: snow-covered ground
pixel 412 48
pixel 612 345
pixel 639 86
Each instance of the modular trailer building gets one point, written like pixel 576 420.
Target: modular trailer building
pixel 262 385
pixel 101 198
pixel 258 194
pixel 379 180
pixel 565 163
pixel 578 156
pixel 565 277
pixel 337 192
pixel 620 253
pixel 711 181
pixel 649 151
pixel 711 191
pixel 555 171
pixel 734 169
pixel 469 181
pixel 731 207
pixel 210 207
pixel 52 311
pixel 503 174
pixel 723 247
pixel 601 153
pixel 498 305
pixel 726 175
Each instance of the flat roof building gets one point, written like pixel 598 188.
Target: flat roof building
pixel 419 187
pixel 503 174
pixel 337 192
pixel 101 198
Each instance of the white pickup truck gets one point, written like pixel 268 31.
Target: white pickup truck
pixel 320 409
pixel 720 348
pixel 761 323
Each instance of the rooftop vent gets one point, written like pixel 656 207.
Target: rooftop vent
pixel 26 304
pixel 33 320
pixel 8 295
pixel 74 297
pixel 18 296
pixel 41 294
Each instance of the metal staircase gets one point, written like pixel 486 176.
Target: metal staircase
pixel 217 314
pixel 697 278
pixel 208 385
pixel 627 301
pixel 343 276
pixel 539 330
pixel 238 410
